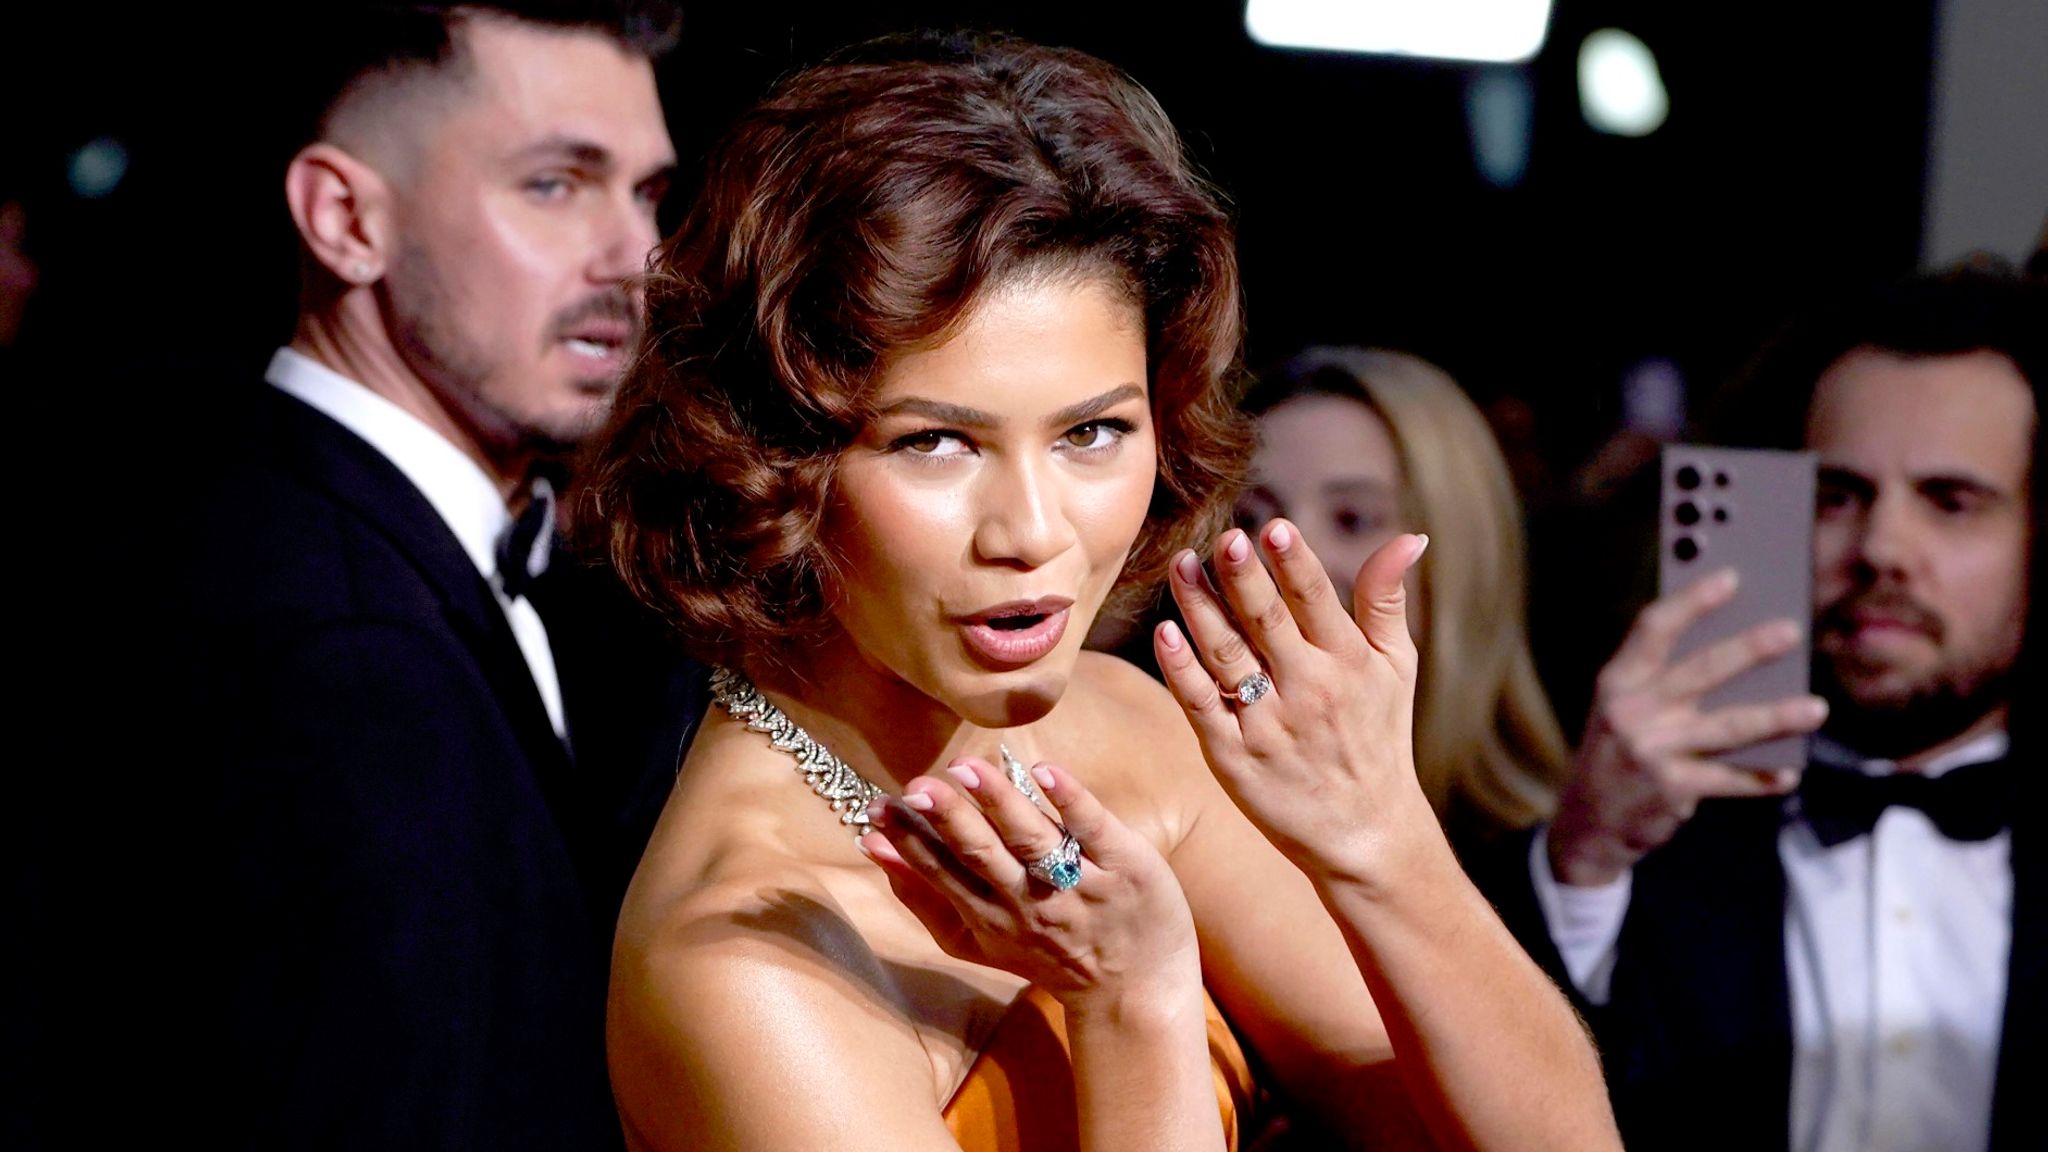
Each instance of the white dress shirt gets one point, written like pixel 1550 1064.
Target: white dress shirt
pixel 457 486
pixel 1896 946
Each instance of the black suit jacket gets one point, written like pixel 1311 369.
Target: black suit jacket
pixel 378 900
pixel 1696 1036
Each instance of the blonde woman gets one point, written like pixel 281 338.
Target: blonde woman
pixel 1359 445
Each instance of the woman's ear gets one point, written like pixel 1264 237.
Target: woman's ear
pixel 342 209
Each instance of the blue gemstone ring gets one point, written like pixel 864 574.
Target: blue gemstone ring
pixel 1060 867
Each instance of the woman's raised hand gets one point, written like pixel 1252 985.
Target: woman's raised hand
pixel 1322 760
pixel 957 848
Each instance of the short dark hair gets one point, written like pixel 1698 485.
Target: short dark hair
pixel 861 210
pixel 347 40
pixel 1978 306
pixel 1982 305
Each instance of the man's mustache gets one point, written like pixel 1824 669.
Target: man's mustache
pixel 614 305
pixel 1840 617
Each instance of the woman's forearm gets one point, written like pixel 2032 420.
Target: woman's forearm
pixel 1491 1053
pixel 1142 1076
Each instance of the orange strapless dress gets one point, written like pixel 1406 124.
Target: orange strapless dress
pixel 1019 1093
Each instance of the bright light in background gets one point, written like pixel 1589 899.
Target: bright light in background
pixel 98 168
pixel 1620 90
pixel 1499 110
pixel 1495 31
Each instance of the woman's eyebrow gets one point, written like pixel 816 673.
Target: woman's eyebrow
pixel 960 415
pixel 1075 413
pixel 955 414
pixel 1359 486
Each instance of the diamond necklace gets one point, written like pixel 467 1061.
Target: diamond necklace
pixel 834 779
pixel 831 778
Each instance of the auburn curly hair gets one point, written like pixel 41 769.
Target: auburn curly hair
pixel 860 211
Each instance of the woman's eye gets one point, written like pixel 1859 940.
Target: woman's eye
pixel 1256 507
pixel 1095 434
pixel 931 443
pixel 1353 522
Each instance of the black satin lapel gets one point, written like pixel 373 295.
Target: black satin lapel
pixel 327 455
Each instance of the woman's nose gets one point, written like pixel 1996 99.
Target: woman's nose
pixel 1023 520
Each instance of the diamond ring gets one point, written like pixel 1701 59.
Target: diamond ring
pixel 1061 867
pixel 1250 690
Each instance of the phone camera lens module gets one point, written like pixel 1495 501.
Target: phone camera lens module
pixel 1685 550
pixel 1687 513
pixel 1688 477
pixel 1720 479
pixel 1720 515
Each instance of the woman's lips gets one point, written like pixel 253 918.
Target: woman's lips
pixel 1016 645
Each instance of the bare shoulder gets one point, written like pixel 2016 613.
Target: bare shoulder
pixel 748 1011
pixel 725 880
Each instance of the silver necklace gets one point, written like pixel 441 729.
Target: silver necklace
pixel 833 779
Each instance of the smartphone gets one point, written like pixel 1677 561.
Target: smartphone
pixel 1751 510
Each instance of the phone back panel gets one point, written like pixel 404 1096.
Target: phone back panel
pixel 1750 510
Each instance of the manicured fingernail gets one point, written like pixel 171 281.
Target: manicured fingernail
pixel 917 801
pixel 1782 635
pixel 1421 547
pixel 964 775
pixel 1188 568
pixel 1813 709
pixel 1278 538
pixel 1169 635
pixel 1238 547
pixel 878 811
pixel 1043 775
pixel 878 848
pixel 1722 582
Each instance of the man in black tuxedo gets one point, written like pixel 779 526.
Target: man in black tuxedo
pixel 418 753
pixel 1850 957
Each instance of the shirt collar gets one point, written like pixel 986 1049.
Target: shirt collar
pixel 1989 746
pixel 457 486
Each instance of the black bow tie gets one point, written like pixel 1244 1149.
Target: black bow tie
pixel 522 558
pixel 1973 802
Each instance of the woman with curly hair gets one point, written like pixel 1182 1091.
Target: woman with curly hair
pixel 940 362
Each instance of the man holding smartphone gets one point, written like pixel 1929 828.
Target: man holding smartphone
pixel 1848 957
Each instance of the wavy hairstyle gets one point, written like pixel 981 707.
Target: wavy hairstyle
pixel 857 213
pixel 1488 746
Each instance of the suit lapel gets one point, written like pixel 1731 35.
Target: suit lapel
pixel 329 456
pixel 1700 994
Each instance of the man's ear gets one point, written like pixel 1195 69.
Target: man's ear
pixel 342 208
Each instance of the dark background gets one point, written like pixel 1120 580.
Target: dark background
pixel 1792 164
pixel 1792 161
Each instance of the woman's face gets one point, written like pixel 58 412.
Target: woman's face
pixel 1328 464
pixel 985 513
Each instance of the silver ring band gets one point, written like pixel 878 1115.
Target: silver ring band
pixel 1061 867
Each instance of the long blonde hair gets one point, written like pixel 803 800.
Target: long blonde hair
pixel 1486 737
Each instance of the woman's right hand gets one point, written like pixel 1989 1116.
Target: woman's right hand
pixel 955 846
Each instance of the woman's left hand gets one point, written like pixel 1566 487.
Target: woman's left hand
pixel 956 845
pixel 1323 763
